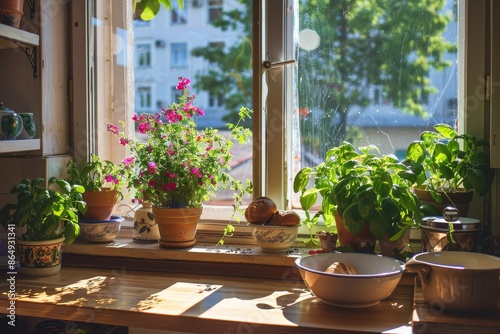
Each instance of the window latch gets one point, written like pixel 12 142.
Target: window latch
pixel 276 68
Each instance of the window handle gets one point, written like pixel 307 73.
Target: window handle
pixel 268 65
pixel 276 68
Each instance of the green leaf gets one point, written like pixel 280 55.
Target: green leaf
pixel 445 130
pixel 301 179
pixel 353 221
pixel 71 232
pixel 309 198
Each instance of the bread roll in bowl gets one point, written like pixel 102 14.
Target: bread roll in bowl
pixel 341 268
pixel 284 218
pixel 260 210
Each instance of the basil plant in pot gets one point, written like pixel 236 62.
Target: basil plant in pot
pixel 367 193
pixel 176 166
pixel 449 166
pixel 43 219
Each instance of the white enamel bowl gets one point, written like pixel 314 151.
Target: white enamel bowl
pixel 377 278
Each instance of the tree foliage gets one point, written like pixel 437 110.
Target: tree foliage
pixel 365 44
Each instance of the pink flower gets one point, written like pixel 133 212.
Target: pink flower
pixel 128 161
pixel 173 117
pixel 183 83
pixel 124 141
pixel 135 118
pixel 112 128
pixel 151 167
pixel 196 171
pixel 143 128
pixel 151 183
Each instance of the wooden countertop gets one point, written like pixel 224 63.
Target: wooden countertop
pixel 198 303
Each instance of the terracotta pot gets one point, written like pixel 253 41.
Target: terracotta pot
pixel 460 200
pixel 177 226
pixel 100 204
pixel 11 12
pixel 363 241
pixel 40 258
pixel 328 241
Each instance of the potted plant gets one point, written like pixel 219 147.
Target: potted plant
pixel 176 167
pixel 44 218
pixel 369 195
pixel 102 181
pixel 449 166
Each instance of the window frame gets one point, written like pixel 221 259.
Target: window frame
pixel 271 121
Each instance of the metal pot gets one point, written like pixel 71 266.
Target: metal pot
pixel 458 281
pixel 11 124
pixel 449 232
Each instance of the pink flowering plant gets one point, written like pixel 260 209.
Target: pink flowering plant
pixel 172 164
pixel 95 174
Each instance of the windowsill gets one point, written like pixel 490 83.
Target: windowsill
pixel 203 251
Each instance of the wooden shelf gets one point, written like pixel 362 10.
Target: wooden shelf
pixel 9 35
pixel 19 145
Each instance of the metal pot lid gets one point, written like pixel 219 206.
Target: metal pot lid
pixel 462 224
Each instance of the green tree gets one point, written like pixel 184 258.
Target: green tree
pixel 231 73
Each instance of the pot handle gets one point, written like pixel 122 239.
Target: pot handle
pixel 423 270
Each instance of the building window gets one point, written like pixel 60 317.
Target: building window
pixel 214 10
pixel 215 100
pixel 179 16
pixel 178 55
pixel 143 98
pixel 143 55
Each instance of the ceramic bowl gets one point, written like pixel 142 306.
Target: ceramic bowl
pixel 100 230
pixel 377 278
pixel 458 281
pixel 274 238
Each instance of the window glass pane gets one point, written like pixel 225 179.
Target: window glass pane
pixel 214 54
pixel 373 72
pixel 179 16
pixel 179 55
pixel 143 53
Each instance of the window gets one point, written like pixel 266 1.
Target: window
pixel 304 108
pixel 143 55
pixel 215 100
pixel 179 16
pixel 143 98
pixel 178 55
pixel 214 10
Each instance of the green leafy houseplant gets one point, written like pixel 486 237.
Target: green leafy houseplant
pixel 173 164
pixel 46 212
pixel 445 161
pixel 361 187
pixel 96 175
